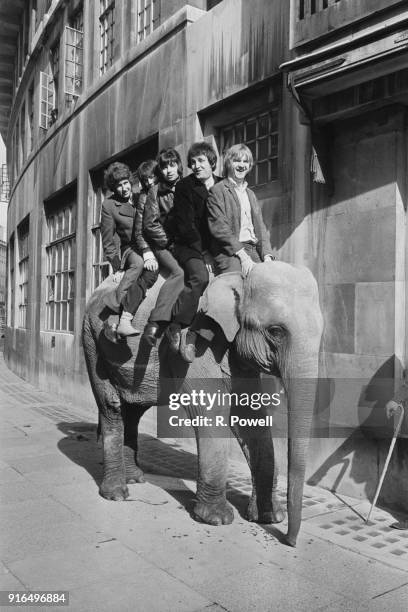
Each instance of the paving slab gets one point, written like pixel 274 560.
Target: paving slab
pixel 148 553
pixel 106 561
pixel 153 590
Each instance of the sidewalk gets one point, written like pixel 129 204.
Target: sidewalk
pixel 147 554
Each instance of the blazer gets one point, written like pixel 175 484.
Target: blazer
pixel 190 213
pixel 116 218
pixel 224 220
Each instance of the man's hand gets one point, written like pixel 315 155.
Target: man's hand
pixel 150 262
pixel 117 276
pixel 208 260
pixel 246 262
pixel 392 408
pixel 269 258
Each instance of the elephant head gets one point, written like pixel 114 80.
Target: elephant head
pixel 274 320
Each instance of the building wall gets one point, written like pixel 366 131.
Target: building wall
pixel 157 89
pixel 189 78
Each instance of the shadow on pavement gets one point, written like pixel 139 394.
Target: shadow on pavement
pixel 164 465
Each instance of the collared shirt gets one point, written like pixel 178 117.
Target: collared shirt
pixel 247 232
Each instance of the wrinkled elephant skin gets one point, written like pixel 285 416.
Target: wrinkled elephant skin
pixel 271 322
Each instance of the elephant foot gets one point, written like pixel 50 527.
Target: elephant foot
pixel 274 513
pixel 290 541
pixel 134 475
pixel 113 490
pixel 220 513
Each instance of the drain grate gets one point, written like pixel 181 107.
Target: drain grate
pixel 378 541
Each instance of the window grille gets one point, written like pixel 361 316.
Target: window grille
pixel 55 58
pixel 148 17
pixel 107 34
pixel 23 275
pixel 22 134
pixel 47 98
pixel 260 133
pixel 30 117
pixel 73 62
pixel 101 268
pixel 61 267
pixel 49 82
pixel 4 184
pixel 11 303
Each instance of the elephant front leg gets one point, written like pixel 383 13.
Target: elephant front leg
pixel 131 418
pixel 113 485
pixel 257 444
pixel 211 504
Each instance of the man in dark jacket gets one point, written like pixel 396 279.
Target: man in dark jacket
pixel 192 239
pixel 153 227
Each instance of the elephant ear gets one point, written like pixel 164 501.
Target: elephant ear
pixel 221 300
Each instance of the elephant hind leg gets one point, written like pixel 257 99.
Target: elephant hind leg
pixel 131 417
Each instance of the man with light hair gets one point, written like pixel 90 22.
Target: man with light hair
pixel 239 236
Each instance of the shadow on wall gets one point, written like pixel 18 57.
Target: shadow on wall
pixel 361 456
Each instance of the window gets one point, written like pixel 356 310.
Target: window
pixel 260 133
pixel 4 183
pixel 106 29
pixel 11 304
pixel 49 82
pixel 100 268
pixel 30 116
pixel 18 146
pixel 47 101
pixel 61 224
pixel 23 233
pixel 55 57
pixel 148 17
pixel 73 63
pixel 23 133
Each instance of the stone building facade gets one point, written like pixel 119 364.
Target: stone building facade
pixel 317 89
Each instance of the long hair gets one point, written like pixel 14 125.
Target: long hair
pixel 164 157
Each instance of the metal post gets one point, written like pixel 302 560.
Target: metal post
pixel 394 439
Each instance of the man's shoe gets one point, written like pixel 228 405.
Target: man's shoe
pixel 125 327
pixel 173 333
pixel 187 345
pixel 150 333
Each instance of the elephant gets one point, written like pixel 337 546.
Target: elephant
pixel 268 322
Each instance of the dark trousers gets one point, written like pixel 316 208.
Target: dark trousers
pixel 170 289
pixel 195 281
pixel 137 292
pixel 231 263
pixel 133 269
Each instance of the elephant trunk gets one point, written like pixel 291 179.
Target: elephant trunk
pixel 301 398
